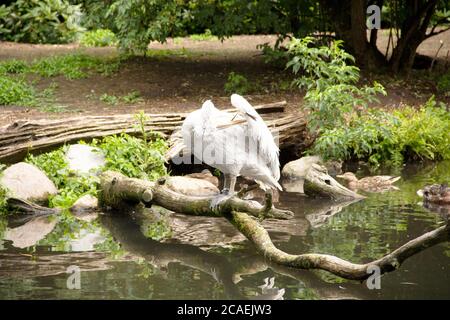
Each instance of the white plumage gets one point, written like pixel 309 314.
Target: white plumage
pixel 239 144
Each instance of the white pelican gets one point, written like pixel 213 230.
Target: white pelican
pixel 239 145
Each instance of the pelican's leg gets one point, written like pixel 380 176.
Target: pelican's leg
pixel 232 183
pixel 227 191
pixel 226 179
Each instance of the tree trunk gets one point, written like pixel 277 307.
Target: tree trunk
pixel 350 26
pixel 413 32
pixel 349 21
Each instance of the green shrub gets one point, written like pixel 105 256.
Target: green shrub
pixel 330 80
pixel 40 21
pixel 379 137
pixel 98 38
pixel 129 155
pixel 237 83
pixel 16 91
pixel 134 157
pixel 5 12
pixel 70 187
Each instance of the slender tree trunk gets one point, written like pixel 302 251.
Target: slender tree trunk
pixel 413 32
pixel 349 18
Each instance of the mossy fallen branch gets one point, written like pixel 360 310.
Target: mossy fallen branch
pixel 116 188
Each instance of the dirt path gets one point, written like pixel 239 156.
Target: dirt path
pixel 181 79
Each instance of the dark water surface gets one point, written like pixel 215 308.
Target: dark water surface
pixel 214 262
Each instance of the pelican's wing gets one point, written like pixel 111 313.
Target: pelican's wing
pixel 260 133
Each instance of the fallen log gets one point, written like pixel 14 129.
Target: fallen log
pixel 240 212
pixel 115 188
pixel 24 136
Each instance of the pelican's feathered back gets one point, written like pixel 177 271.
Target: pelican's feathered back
pixel 259 131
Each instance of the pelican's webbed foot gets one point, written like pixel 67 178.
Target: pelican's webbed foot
pixel 222 197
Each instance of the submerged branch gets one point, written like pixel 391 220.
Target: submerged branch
pixel 345 269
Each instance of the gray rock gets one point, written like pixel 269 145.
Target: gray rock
pixel 85 208
pixel 298 169
pixel 205 175
pixel 308 173
pixel 295 172
pixel 84 159
pixel 26 181
pixel 191 186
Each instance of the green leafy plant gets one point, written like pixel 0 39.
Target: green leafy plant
pixel 132 156
pixel 330 80
pixel 5 12
pixel 16 91
pixel 109 99
pixel 135 157
pixel 98 38
pixel 44 21
pixel 237 83
pixel 13 66
pixel 206 36
pixel 70 186
pixel 139 22
pixel 132 97
pixel 379 137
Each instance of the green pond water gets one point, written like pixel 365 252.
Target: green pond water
pixel 207 259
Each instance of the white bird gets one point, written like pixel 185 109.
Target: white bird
pixel 236 145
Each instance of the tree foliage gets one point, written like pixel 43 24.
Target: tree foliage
pixel 35 21
pixel 137 22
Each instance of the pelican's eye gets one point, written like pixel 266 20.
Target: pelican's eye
pixel 328 182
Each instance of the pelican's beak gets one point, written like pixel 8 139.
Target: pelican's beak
pixel 230 124
pixel 250 116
